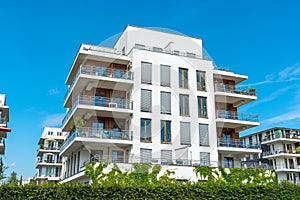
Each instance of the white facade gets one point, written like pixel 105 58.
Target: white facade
pixel 4 118
pixel 278 146
pixel 152 98
pixel 49 163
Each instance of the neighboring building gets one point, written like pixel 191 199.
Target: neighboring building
pixel 4 118
pixel 49 163
pixel 278 146
pixel 155 98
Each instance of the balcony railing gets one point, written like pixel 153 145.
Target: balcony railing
pixel 88 132
pixel 98 101
pixel 279 151
pixel 101 72
pixel 237 116
pixel 236 143
pixel 285 167
pixel 279 134
pixel 49 161
pixel 235 90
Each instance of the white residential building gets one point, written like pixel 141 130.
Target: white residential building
pixel 4 118
pixel 49 163
pixel 278 146
pixel 153 97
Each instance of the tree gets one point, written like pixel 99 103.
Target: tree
pixel 13 179
pixel 95 173
pixel 2 171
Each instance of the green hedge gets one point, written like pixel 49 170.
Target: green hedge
pixel 161 191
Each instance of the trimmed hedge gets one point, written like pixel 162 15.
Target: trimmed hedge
pixel 160 191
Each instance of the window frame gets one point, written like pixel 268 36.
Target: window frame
pixel 182 78
pixel 200 107
pixel 163 131
pixel 200 82
pixel 144 139
pixel 182 104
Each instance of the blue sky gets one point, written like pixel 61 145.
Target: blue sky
pixel 39 40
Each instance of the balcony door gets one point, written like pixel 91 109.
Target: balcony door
pixel 97 127
pixel 228 162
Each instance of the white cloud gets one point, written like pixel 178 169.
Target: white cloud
pixel 53 120
pixel 269 98
pixel 11 165
pixel 288 74
pixel 292 115
pixel 52 91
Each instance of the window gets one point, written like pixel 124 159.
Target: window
pixel 96 155
pixel 204 159
pixel 139 46
pixel 165 131
pixel 202 107
pixel 157 49
pixel 146 100
pixel 58 133
pixel 203 135
pixel 117 156
pixel 146 73
pixel 146 155
pixel 228 162
pixel 165 76
pixel 166 157
pixel 50 132
pixel 183 78
pixel 201 84
pixel 146 135
pixel 185 135
pixel 165 102
pixel 184 105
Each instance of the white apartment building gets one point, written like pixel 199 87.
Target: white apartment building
pixel 154 98
pixel 4 118
pixel 49 163
pixel 278 146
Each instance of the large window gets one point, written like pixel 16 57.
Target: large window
pixel 184 105
pixel 203 135
pixel 165 131
pixel 202 107
pixel 166 157
pixel 146 73
pixel 204 159
pixel 201 85
pixel 146 135
pixel 165 102
pixel 146 100
pixel 146 155
pixel 165 75
pixel 117 156
pixel 185 133
pixel 183 78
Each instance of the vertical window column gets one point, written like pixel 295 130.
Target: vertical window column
pixel 146 135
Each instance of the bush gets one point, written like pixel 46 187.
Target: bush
pixel 210 190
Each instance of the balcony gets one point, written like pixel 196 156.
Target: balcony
pixel 279 136
pixel 88 77
pixel 99 106
pixel 237 96
pixel 236 120
pixel 281 153
pixel 43 149
pixel 96 136
pixel 287 168
pixel 237 146
pixel 48 162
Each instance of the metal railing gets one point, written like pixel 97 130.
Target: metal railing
pixel 161 50
pixel 100 71
pixel 99 101
pixel 88 132
pixel 279 151
pixel 235 90
pixel 237 116
pixel 285 167
pixel 280 134
pixel 236 143
pixel 49 161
